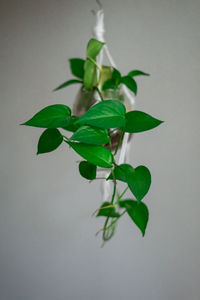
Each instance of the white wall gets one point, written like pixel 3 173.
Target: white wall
pixel 47 245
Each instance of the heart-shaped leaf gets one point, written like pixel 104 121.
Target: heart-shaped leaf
pixel 113 82
pixel 97 155
pixel 93 48
pixel 49 140
pixel 53 116
pixel 139 181
pixel 106 114
pixel 91 135
pixel 87 170
pixel 138 121
pixel 107 210
pixel 121 172
pixel 138 212
pixel 137 73
pixel 130 83
pixel 77 67
pixel 90 75
pixel 67 83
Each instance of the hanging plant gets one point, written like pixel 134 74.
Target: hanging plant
pixel 93 129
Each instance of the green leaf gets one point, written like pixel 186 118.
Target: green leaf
pixel 138 121
pixel 137 73
pixel 97 155
pixel 66 83
pixel 107 211
pixel 138 212
pixel 87 170
pixel 139 181
pixel 49 141
pixel 91 135
pixel 113 82
pixel 72 126
pixel 121 172
pixel 53 116
pixel 93 48
pixel 130 83
pixel 77 67
pixel 106 114
pixel 90 75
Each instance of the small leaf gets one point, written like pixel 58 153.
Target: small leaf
pixel 72 126
pixel 97 155
pixel 138 212
pixel 93 48
pixel 77 67
pixel 130 83
pixel 137 73
pixel 53 116
pixel 91 135
pixel 121 172
pixel 66 83
pixel 139 181
pixel 106 114
pixel 87 170
pixel 138 121
pixel 113 82
pixel 90 75
pixel 49 141
pixel 107 211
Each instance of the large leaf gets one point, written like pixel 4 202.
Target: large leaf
pixel 130 83
pixel 138 212
pixel 77 67
pixel 66 83
pixel 121 172
pixel 138 121
pixel 93 48
pixel 87 170
pixel 90 75
pixel 53 116
pixel 49 141
pixel 137 73
pixel 91 135
pixel 106 114
pixel 139 181
pixel 107 211
pixel 72 126
pixel 97 155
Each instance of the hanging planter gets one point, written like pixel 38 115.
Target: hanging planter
pixel 98 128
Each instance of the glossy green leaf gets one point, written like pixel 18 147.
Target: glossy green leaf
pixel 53 116
pixel 77 67
pixel 121 172
pixel 87 170
pixel 106 114
pixel 90 75
pixel 130 83
pixel 93 48
pixel 97 155
pixel 137 73
pixel 91 135
pixel 72 125
pixel 49 141
pixel 138 212
pixel 139 182
pixel 67 83
pixel 113 82
pixel 108 211
pixel 138 121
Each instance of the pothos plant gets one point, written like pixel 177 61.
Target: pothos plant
pixel 91 137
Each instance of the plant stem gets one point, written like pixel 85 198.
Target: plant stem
pixel 122 194
pixel 100 95
pixel 119 142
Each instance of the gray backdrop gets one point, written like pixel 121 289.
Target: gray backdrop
pixel 48 248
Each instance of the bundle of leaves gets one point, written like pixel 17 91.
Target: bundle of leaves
pixel 92 132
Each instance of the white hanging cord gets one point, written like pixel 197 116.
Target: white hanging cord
pixel 98 33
